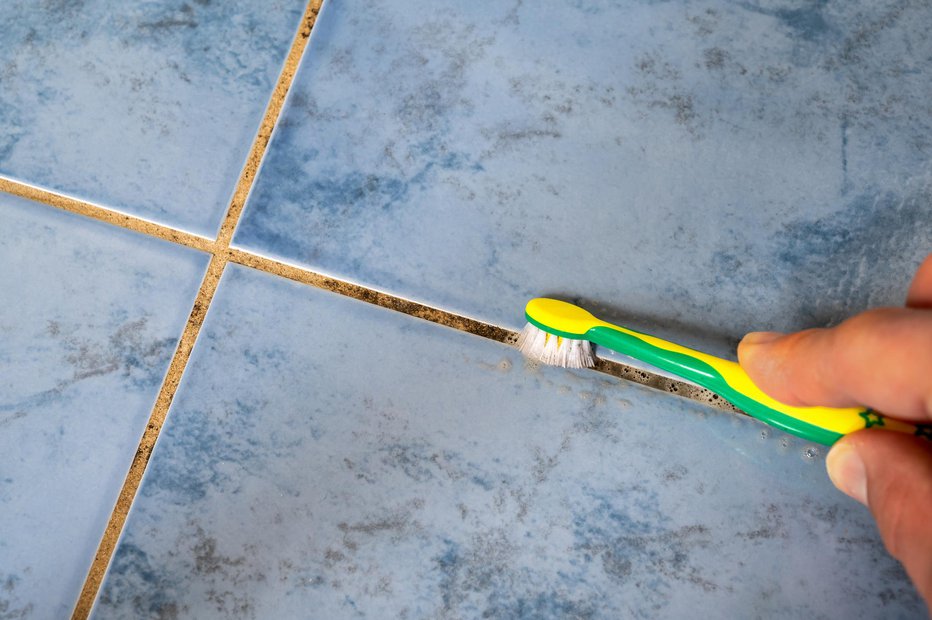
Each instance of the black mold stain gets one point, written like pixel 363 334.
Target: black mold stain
pixel 661 87
pixel 772 526
pixel 715 57
pixel 862 39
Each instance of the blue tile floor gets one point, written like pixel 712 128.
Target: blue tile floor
pixel 698 169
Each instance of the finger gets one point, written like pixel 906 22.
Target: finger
pixel 892 474
pixel 920 291
pixel 880 359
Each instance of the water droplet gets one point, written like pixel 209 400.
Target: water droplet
pixel 810 453
pixel 765 434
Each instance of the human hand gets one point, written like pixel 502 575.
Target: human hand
pixel 880 359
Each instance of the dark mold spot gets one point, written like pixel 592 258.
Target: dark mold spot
pixel 715 58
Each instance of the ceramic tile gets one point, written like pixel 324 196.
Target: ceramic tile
pixel 329 459
pixel 146 107
pixel 696 168
pixel 90 318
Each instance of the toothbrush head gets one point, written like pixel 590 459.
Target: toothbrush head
pixel 544 347
pixel 556 334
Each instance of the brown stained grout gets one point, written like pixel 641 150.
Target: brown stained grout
pixel 222 254
pixel 355 291
pixel 276 102
pixel 665 384
pixel 220 257
pixel 101 214
pixel 479 328
pixel 127 494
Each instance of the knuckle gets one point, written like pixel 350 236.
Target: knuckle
pixel 869 322
pixel 862 336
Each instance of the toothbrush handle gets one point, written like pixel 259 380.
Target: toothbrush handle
pixel 824 425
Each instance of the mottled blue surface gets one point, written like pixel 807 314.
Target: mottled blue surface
pixel 145 107
pixel 91 315
pixel 325 458
pixel 696 168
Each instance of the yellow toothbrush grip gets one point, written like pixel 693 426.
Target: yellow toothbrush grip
pixel 841 420
pixel 729 380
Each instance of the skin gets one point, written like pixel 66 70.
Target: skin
pixel 882 359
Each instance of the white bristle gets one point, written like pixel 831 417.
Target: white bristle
pixel 537 344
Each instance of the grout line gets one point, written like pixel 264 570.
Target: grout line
pixel 264 135
pixel 205 295
pixel 362 293
pixel 665 384
pixel 111 535
pixel 472 326
pixel 101 214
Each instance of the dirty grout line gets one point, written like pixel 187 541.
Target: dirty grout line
pixel 368 295
pixel 205 295
pixel 466 324
pixel 108 216
pixel 665 384
pixel 111 535
pixel 264 134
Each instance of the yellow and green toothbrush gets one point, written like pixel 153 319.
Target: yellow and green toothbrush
pixel 560 333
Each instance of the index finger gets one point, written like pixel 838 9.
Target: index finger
pixel 880 359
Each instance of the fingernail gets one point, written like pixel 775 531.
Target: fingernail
pixel 755 338
pixel 846 469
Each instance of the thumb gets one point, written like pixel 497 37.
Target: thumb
pixel 892 474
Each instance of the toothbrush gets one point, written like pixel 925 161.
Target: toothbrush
pixel 560 333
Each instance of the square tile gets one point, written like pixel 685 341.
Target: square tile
pixel 698 169
pixel 90 319
pixel 325 458
pixel 145 107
